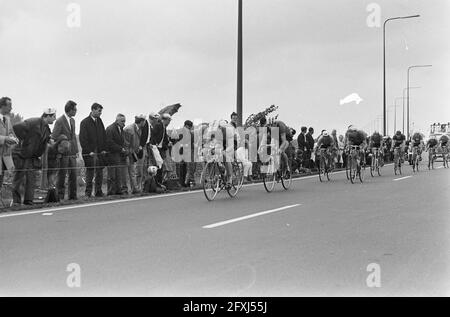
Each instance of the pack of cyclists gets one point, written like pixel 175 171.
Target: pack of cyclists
pixel 357 144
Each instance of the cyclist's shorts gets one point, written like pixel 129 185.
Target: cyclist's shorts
pixel 377 145
pixel 416 144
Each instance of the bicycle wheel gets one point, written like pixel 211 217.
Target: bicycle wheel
pixel 353 170
pixel 322 170
pixel 373 165
pixel 286 178
pixel 362 171
pixel 270 178
pixel 347 168
pixel 237 179
pixel 210 180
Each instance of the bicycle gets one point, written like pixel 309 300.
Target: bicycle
pixel 397 161
pixel 214 178
pixel 376 162
pixel 431 158
pixel 415 158
pixel 325 168
pixel 355 164
pixel 272 174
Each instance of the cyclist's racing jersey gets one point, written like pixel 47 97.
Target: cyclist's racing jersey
pixel 398 139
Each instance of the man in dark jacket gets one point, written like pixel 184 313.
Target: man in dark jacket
pixel 310 145
pixel 33 135
pixel 115 143
pixel 93 144
pixel 65 126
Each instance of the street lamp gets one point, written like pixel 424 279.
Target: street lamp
pixel 239 67
pixel 403 109
pixel 384 64
pixel 407 92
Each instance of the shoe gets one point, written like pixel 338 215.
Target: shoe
pixel 28 203
pixel 99 195
pixel 250 178
pixel 136 192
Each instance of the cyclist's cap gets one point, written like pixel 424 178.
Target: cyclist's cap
pixel 325 133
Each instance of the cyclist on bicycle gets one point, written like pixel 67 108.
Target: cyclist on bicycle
pixel 283 131
pixel 443 141
pixel 417 142
pixel 376 142
pixel 355 137
pixel 326 142
pixel 398 141
pixel 431 147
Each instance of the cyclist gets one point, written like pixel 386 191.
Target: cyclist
pixel 432 144
pixel 355 137
pixel 283 133
pixel 398 141
pixel 443 143
pixel 375 142
pixel 326 142
pixel 227 132
pixel 417 142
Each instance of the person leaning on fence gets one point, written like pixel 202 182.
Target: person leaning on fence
pixel 65 125
pixel 117 153
pixel 132 135
pixel 33 135
pixel 7 138
pixel 55 153
pixel 93 145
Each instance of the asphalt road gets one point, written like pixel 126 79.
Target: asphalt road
pixel 321 244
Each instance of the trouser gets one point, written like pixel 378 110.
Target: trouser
pixel 132 168
pixel 307 158
pixel 94 166
pixel 67 165
pixel 187 170
pixel 115 173
pixel 25 175
pixel 141 169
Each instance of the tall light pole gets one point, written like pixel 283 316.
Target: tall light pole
pixel 239 67
pixel 407 93
pixel 403 108
pixel 384 64
pixel 395 106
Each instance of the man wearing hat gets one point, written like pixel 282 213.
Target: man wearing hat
pixel 33 135
pixel 159 138
pixel 132 134
pixel 65 126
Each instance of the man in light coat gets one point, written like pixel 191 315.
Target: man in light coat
pixel 132 134
pixel 7 138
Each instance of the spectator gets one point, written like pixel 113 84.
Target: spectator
pixel 133 133
pixel 159 138
pixel 65 125
pixel 167 166
pixel 142 155
pixel 115 144
pixel 55 153
pixel 234 120
pixel 34 135
pixel 303 148
pixel 93 144
pixel 310 146
pixel 341 154
pixel 187 165
pixel 7 138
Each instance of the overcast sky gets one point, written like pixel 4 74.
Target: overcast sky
pixel 303 55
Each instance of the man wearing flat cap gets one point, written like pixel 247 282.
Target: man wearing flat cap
pixel 132 134
pixel 34 136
